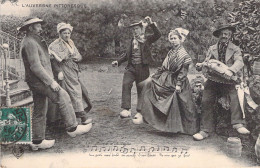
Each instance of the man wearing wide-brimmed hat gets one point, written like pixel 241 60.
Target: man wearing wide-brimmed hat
pixel 229 54
pixel 39 77
pixel 138 57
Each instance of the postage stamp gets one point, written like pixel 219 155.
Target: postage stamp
pixel 15 125
pixel 122 83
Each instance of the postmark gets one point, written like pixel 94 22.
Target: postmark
pixel 18 151
pixel 15 125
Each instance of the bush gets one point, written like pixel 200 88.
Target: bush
pixel 246 18
pixel 96 31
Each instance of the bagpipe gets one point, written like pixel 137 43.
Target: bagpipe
pixel 216 71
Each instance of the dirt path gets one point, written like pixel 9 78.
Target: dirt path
pixel 105 91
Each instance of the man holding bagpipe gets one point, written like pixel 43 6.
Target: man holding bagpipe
pixel 223 69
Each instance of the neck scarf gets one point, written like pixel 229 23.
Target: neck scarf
pixel 222 48
pixel 137 40
pixel 140 38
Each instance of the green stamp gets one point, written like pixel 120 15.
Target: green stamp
pixel 15 125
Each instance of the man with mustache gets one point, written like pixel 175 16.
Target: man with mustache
pixel 39 77
pixel 230 54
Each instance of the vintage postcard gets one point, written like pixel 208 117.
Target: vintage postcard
pixel 129 83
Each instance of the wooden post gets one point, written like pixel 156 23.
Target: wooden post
pixel 2 71
pixel 17 68
pixel 2 68
pixel 7 87
pixel 8 42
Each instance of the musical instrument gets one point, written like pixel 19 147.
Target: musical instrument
pixel 216 71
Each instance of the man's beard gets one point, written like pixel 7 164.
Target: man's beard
pixel 224 39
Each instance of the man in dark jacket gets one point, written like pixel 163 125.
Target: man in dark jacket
pixel 39 77
pixel 138 57
pixel 229 54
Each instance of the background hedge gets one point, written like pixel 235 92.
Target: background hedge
pixel 100 28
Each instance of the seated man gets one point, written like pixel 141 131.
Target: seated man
pixel 230 54
pixel 39 77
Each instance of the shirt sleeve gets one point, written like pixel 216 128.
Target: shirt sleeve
pixel 36 67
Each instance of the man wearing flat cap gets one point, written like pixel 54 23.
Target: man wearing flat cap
pixel 138 57
pixel 39 77
pixel 229 54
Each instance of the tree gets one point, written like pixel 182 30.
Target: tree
pixel 12 1
pixel 96 28
pixel 246 18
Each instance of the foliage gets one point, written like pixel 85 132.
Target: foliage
pixel 10 23
pixel 97 31
pixel 12 1
pixel 246 18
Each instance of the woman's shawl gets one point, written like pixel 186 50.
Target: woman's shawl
pixel 61 50
pixel 175 59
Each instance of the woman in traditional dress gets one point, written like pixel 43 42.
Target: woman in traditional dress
pixel 65 58
pixel 166 102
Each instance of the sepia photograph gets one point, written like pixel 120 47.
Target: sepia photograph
pixel 129 83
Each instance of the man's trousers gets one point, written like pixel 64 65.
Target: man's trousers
pixel 213 90
pixel 41 93
pixel 134 73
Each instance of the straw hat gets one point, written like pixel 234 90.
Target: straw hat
pixel 29 22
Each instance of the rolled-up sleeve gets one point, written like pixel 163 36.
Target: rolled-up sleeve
pixel 36 67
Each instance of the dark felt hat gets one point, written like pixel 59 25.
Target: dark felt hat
pixel 29 22
pixel 136 23
pixel 217 32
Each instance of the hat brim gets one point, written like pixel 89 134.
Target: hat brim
pixel 135 24
pixel 217 32
pixel 23 27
